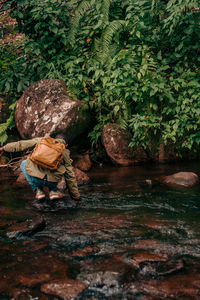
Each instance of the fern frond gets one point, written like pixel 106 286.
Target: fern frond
pixel 80 11
pixel 103 46
pixel 105 11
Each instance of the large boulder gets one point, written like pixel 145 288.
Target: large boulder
pixel 46 108
pixel 180 179
pixel 116 142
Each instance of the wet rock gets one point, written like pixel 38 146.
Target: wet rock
pixel 65 289
pixel 45 107
pixel 146 244
pixel 33 279
pixel 160 267
pixel 35 245
pixel 81 177
pixel 116 142
pixel 142 257
pixel 20 294
pixel 180 179
pixel 89 250
pixel 27 228
pixel 177 286
pixel 73 241
pixel 108 283
pixel 83 162
pixel 26 267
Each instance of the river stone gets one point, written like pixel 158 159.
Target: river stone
pixel 160 267
pixel 108 283
pixel 183 179
pixel 143 257
pixel 74 241
pixel 88 250
pixel 33 279
pixel 27 228
pixel 46 108
pixel 179 286
pixel 65 288
pixel 116 142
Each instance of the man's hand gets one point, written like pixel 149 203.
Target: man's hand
pixel 1 150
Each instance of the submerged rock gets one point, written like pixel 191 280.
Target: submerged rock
pixel 159 267
pixel 46 108
pixel 142 257
pixel 183 179
pixel 107 283
pixel 88 250
pixel 66 289
pixel 73 241
pixel 116 142
pixel 178 286
pixel 33 279
pixel 26 228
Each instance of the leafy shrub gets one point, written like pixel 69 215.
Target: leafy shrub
pixel 143 68
pixel 132 62
pixel 14 79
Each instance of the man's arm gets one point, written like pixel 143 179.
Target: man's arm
pixel 70 177
pixel 20 145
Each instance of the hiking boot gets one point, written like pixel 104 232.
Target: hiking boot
pixel 39 194
pixel 56 195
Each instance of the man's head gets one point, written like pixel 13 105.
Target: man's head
pixel 61 136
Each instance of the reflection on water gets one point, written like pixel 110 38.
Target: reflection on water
pixel 125 240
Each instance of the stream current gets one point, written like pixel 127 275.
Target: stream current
pixel 124 240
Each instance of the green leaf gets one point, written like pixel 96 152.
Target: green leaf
pixel 138 34
pixel 116 109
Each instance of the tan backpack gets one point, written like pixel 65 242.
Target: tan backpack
pixel 48 153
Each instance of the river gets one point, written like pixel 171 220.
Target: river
pixel 123 240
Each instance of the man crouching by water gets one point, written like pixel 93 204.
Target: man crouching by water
pixel 39 177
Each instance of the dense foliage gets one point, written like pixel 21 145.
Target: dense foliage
pixel 133 62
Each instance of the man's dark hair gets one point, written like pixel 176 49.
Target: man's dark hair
pixel 61 136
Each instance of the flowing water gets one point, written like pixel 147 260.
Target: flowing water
pixel 124 240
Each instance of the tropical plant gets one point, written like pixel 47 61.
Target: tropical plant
pixel 142 60
pixel 133 62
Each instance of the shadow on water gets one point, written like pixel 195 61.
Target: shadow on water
pixel 124 240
